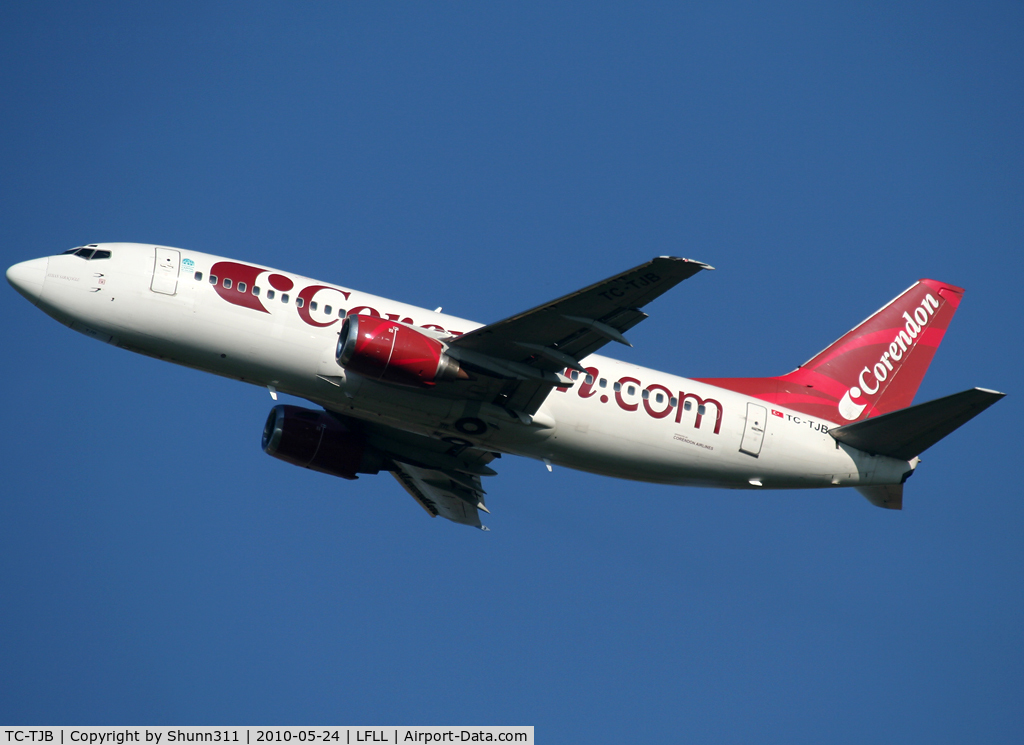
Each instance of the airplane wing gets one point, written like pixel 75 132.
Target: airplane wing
pixel 455 496
pixel 525 353
pixel 515 363
pixel 444 477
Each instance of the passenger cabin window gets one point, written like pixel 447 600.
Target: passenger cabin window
pixel 672 401
pixel 241 286
pixel 617 387
pixel 687 405
pixel 284 297
pixel 341 312
pixel 575 375
pixel 300 301
pixel 312 304
pixel 603 383
pixel 213 279
pixel 256 290
pixel 659 398
pixel 631 390
pixel 270 294
pixel 199 276
pixel 702 410
pixel 227 283
pixel 646 394
pixel 589 380
pixel 327 309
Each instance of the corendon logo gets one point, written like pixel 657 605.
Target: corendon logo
pixel 239 284
pixel 870 380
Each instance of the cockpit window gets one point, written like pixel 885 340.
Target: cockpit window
pixel 87 252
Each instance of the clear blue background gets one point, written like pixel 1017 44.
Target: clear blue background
pixel 157 567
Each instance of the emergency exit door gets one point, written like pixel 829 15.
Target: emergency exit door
pixel 165 271
pixel 753 432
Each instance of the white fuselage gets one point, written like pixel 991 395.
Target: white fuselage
pixel 683 432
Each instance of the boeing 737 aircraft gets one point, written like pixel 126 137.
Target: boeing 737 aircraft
pixel 434 399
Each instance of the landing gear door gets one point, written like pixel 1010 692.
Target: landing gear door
pixel 165 271
pixel 753 432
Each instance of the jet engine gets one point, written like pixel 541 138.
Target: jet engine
pixel 319 441
pixel 392 351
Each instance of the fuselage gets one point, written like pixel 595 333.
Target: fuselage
pixel 277 329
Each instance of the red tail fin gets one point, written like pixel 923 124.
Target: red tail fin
pixel 874 369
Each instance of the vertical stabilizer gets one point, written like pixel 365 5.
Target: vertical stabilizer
pixel 873 369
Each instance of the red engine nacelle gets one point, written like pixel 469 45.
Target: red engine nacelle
pixel 316 440
pixel 395 352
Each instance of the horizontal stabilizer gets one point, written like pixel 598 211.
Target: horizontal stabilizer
pixel 907 433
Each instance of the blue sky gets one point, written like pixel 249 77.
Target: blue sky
pixel 156 567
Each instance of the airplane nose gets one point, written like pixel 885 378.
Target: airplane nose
pixel 27 278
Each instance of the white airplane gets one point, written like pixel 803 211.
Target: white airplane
pixel 434 399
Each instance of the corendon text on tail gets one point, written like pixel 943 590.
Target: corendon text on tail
pixel 433 399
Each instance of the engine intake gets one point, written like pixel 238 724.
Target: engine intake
pixel 318 441
pixel 395 352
